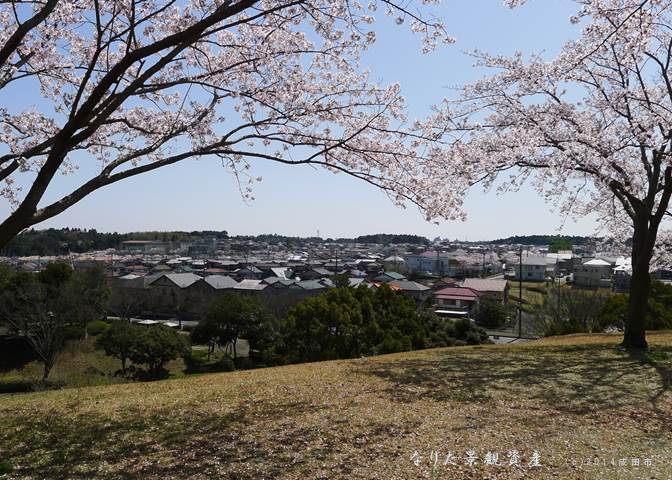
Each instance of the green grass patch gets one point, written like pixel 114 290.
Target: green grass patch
pixel 79 365
pixel 5 468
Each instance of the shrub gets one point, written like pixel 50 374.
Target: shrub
pixel 197 362
pixel 473 337
pixel 491 313
pixel 155 346
pixel 5 467
pixel 72 332
pixel 462 326
pixel 120 340
pixel 565 311
pixel 96 327
pixel 226 364
pixel 658 312
pixel 18 385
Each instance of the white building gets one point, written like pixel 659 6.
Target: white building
pixel 594 273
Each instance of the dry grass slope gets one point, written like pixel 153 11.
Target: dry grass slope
pixel 570 398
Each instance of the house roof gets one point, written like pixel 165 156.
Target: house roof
pixel 182 280
pixel 534 260
pixel 250 285
pixel 220 282
pixel 311 285
pixel 392 275
pixel 485 284
pixel 597 262
pixel 409 286
pixel 280 272
pixel 388 285
pixel 280 282
pixel 130 276
pixel 457 292
pixel 357 281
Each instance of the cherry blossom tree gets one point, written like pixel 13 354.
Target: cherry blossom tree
pixel 591 129
pixel 136 85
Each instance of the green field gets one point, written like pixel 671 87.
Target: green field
pixel 570 398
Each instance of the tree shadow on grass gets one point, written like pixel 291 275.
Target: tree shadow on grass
pixel 259 440
pixel 576 379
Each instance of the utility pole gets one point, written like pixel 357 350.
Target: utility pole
pixel 520 293
pixel 483 271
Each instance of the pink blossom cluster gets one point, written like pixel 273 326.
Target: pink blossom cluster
pixel 590 129
pixel 141 84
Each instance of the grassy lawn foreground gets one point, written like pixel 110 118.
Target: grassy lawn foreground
pixel 571 398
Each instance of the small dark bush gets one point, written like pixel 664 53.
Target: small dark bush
pixel 240 363
pixel 462 326
pixel 16 386
pixel 5 467
pixel 226 364
pixel 72 332
pixel 197 362
pixel 473 338
pixel 96 327
pixel 16 352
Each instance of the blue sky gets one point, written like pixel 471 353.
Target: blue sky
pixel 200 194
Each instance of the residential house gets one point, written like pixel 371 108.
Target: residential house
pixel 594 273
pixel 494 288
pixel 394 263
pixel 622 274
pixel 433 263
pixel 532 268
pixel 455 301
pixel 387 277
pixel 220 282
pixel 248 273
pixel 315 273
pixel 417 291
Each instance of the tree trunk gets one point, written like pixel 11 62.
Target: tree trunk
pixel 47 369
pixel 640 286
pixel 11 227
pixel 635 324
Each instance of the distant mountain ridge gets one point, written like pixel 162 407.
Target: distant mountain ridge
pixel 60 241
pixel 541 240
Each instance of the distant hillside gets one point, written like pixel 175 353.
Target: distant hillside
pixel 542 240
pixel 62 241
pixel 59 241
pixel 387 238
pixel 382 238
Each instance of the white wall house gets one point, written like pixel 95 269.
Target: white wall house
pixel 533 269
pixel 594 273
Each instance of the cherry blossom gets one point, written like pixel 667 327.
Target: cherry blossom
pixel 137 85
pixel 590 129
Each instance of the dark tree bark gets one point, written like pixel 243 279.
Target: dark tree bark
pixel 643 242
pixel 635 326
pixel 48 364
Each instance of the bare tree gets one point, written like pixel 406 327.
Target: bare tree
pixel 26 306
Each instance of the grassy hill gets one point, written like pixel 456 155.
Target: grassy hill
pixel 570 398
